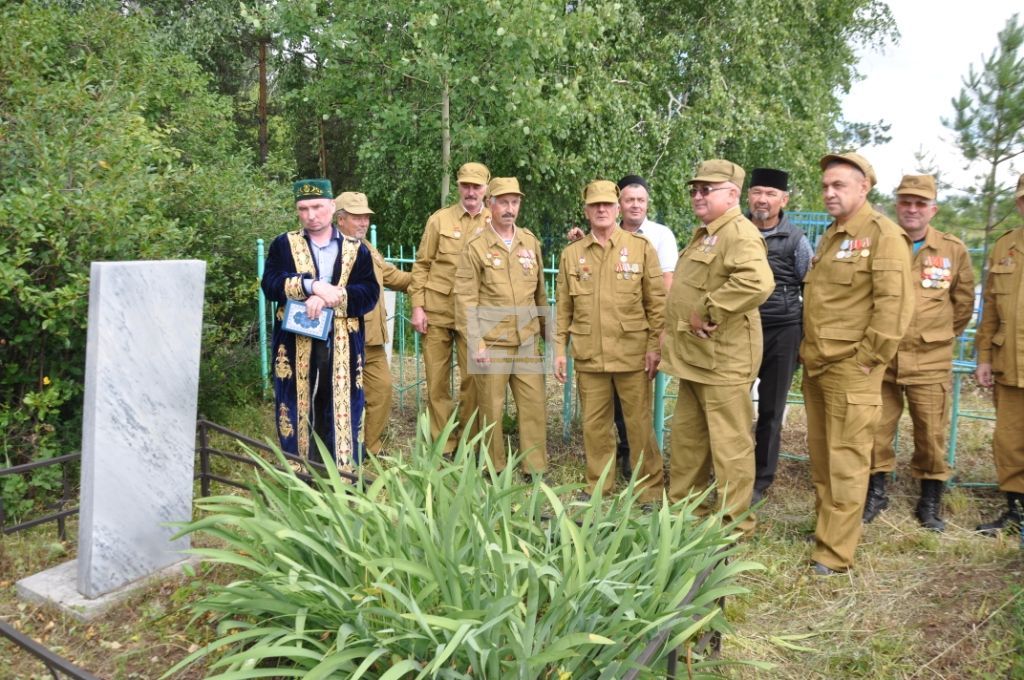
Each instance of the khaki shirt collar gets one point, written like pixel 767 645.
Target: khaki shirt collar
pixel 723 219
pixel 932 239
pixel 617 235
pixel 494 239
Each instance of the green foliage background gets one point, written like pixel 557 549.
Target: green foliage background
pixel 130 131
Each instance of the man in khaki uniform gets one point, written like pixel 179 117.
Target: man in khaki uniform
pixel 433 305
pixel 610 302
pixel 500 294
pixel 353 219
pixel 713 342
pixel 857 306
pixel 1000 344
pixel 922 369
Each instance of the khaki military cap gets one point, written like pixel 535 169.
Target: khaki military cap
pixel 719 170
pixel 917 185
pixel 474 173
pixel 500 186
pixel 353 202
pixel 854 159
pixel 601 191
pixel 1020 188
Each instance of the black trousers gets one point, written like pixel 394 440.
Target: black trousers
pixel 781 346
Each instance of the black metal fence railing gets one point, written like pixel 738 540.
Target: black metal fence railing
pixel 57 665
pixel 206 453
pixel 62 511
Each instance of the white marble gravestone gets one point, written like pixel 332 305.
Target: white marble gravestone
pixel 139 420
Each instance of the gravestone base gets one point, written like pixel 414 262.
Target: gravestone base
pixel 58 587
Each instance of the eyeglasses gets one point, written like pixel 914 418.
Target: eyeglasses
pixel 704 191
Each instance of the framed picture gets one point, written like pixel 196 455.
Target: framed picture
pixel 297 321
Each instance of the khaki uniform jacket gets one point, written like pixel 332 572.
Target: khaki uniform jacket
pixel 610 302
pixel 390 276
pixel 857 304
pixel 437 258
pixel 1000 338
pixel 492 276
pixel 724 275
pixel 944 302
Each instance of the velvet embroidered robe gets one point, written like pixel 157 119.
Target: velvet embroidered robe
pixel 289 262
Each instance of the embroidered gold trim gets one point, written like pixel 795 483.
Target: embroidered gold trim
pixel 282 369
pixel 284 422
pixel 303 346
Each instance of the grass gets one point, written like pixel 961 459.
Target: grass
pixel 917 605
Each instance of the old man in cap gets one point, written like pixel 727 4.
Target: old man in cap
pixel 789 256
pixel 610 305
pixel 501 301
pixel 921 373
pixel 353 219
pixel 713 343
pixel 858 302
pixel 433 299
pixel 318 385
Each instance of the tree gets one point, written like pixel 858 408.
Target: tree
pixel 989 121
pixel 115 148
pixel 559 93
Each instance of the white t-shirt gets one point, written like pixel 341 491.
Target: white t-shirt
pixel 664 242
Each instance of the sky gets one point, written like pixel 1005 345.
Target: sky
pixel 910 84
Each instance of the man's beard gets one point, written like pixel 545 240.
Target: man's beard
pixel 761 215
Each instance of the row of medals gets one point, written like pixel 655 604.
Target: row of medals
pixel 525 259
pixel 624 269
pixel 936 272
pixel 858 247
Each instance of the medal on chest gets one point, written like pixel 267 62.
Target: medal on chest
pixel 707 243
pixel 936 272
pixel 624 269
pixel 853 248
pixel 527 259
pixel 583 270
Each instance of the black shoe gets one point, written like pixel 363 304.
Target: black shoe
pixel 625 468
pixel 928 505
pixel 757 496
pixel 583 496
pixel 1010 520
pixel 820 569
pixel 876 500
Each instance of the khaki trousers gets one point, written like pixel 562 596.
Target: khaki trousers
pixel 437 362
pixel 522 369
pixel 634 390
pixel 377 384
pixel 929 412
pixel 843 408
pixel 712 426
pixel 1008 440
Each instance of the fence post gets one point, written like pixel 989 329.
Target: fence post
pixel 659 409
pixel 264 368
pixel 204 460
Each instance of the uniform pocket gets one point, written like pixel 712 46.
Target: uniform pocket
pixel 696 270
pixel 582 340
pixel 696 351
pixel 862 413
